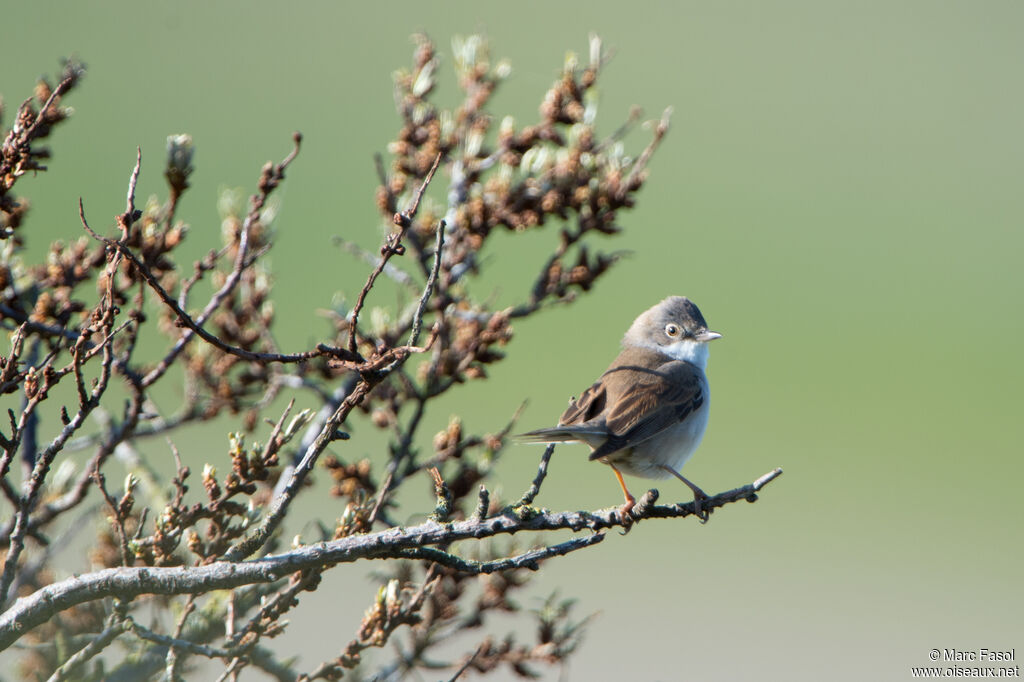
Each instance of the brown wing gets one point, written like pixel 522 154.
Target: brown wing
pixel 644 402
pixel 581 421
pixel 589 405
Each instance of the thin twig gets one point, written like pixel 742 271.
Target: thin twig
pixel 186 319
pixel 172 658
pixel 183 644
pixel 126 220
pixel 483 503
pixel 70 667
pixel 443 508
pixel 8 313
pixel 274 441
pixel 269 180
pixel 62 87
pixel 529 560
pixel 396 274
pixel 465 666
pixel 660 129
pixel 404 219
pixel 276 605
pixel 417 318
pixel 232 669
pixel 392 246
pixel 542 472
pixel 282 501
pixel 116 518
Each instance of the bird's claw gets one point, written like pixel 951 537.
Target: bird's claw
pixel 698 508
pixel 626 516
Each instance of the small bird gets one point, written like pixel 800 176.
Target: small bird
pixel 647 413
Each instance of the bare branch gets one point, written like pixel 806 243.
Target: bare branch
pixel 127 583
pixel 187 320
pixel 542 472
pixel 417 318
pixel 182 644
pixel 392 246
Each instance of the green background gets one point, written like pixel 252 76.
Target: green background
pixel 841 193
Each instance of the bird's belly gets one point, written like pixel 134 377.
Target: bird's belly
pixel 671 448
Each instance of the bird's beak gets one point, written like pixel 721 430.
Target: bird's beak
pixel 708 335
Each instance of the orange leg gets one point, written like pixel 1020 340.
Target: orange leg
pixel 630 500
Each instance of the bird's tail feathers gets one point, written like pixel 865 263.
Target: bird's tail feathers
pixel 559 434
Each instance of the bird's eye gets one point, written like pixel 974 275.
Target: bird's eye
pixel 672 330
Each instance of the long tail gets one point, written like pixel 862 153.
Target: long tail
pixel 559 434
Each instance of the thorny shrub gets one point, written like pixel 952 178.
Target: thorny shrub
pixel 74 321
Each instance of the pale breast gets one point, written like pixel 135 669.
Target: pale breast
pixel 672 447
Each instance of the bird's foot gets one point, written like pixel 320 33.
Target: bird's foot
pixel 699 497
pixel 625 517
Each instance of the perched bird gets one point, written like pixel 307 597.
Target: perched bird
pixel 647 413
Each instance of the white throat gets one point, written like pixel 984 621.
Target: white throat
pixel 694 352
